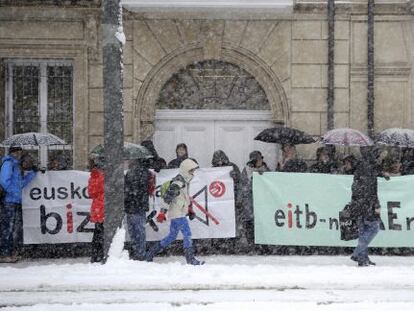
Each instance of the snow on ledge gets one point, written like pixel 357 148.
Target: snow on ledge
pixel 246 4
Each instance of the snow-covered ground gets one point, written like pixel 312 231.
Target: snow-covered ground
pixel 224 283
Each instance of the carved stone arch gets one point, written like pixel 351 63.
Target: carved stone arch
pixel 145 105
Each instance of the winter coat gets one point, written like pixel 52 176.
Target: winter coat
pixel 177 198
pixel 323 168
pixel 221 159
pixel 156 163
pixel 97 194
pixel 13 180
pixel 294 166
pixel 365 188
pixel 136 185
pixel 175 163
pixel 247 190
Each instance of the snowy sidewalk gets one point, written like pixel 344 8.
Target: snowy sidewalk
pixel 169 284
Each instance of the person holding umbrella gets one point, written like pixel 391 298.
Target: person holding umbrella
pixel 290 162
pixel 288 138
pixel 365 200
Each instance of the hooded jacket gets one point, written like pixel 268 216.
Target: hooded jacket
pixel 220 159
pixel 12 180
pixel 177 199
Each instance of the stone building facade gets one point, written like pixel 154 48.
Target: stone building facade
pixel 281 55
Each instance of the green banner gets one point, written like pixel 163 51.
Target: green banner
pixel 303 209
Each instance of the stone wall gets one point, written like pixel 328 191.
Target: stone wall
pixel 285 52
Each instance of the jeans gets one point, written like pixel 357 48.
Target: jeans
pixel 8 214
pixel 136 231
pixel 178 224
pixel 367 230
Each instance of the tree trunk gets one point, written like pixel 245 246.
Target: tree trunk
pixel 113 120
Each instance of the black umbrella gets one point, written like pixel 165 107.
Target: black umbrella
pixel 396 137
pixel 284 135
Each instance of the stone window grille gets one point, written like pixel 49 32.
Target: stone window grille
pixel 39 98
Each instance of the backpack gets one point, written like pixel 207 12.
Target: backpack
pixel 166 185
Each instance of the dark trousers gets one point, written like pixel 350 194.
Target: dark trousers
pixel 97 243
pixel 8 213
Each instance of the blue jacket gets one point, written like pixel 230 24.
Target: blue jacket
pixel 12 181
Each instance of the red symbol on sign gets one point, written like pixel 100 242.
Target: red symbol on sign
pixel 217 189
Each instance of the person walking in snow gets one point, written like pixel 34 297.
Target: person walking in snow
pixel 365 199
pixel 136 204
pixel 97 214
pixel 177 205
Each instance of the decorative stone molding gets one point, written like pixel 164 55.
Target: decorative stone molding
pixel 179 59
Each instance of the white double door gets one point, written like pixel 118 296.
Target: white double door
pixel 205 131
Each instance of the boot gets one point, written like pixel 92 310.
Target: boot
pixel 154 250
pixel 189 257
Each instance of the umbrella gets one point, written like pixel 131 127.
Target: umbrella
pixel 396 137
pixel 284 135
pixel 33 139
pixel 346 137
pixel 131 151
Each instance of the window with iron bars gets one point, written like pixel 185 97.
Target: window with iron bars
pixel 39 98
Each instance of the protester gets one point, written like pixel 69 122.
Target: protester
pixel 348 165
pixel 136 204
pixel 391 166
pixel 220 159
pixel 12 180
pixel 97 214
pixel 58 163
pixel 246 221
pixel 290 162
pixel 182 153
pixel 325 164
pixel 156 162
pixel 365 199
pixel 407 161
pixel 177 206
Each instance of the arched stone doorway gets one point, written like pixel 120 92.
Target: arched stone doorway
pixel 211 105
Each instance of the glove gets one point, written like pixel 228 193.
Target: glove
pixel 161 217
pixel 191 215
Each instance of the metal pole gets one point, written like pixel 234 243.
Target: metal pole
pixel 371 68
pixel 113 120
pixel 331 65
